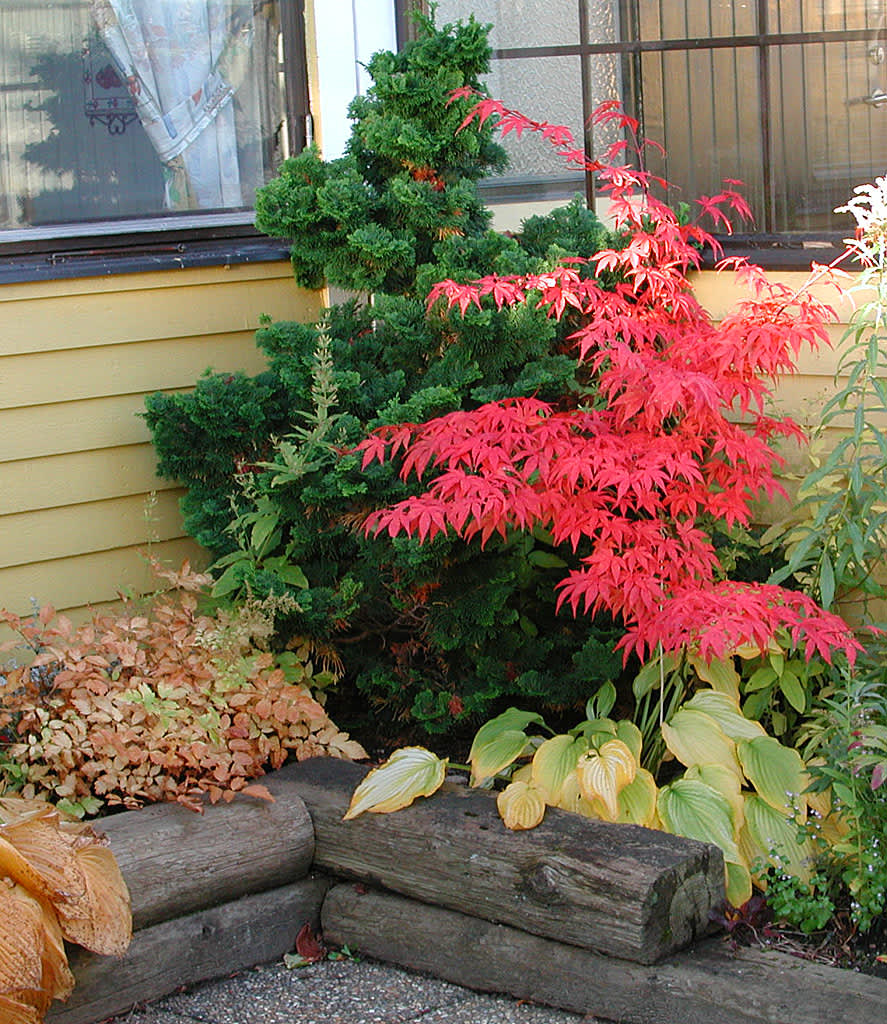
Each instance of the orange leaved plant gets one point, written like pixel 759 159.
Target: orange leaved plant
pixel 172 704
pixel 58 881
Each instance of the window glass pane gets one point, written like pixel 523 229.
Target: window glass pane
pixel 518 23
pixel 824 15
pixel 708 133
pixel 135 108
pixel 826 138
pixel 545 89
pixel 695 19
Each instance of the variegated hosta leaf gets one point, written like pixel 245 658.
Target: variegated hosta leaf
pixel 738 883
pixel 554 761
pixel 409 773
pixel 772 836
pixel 719 673
pixel 696 738
pixel 726 713
pixel 498 743
pixel 689 808
pixel 521 805
pixel 637 800
pixel 777 773
pixel 605 772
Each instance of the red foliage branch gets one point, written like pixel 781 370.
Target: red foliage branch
pixel 678 435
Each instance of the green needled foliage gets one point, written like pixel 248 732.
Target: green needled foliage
pixel 436 633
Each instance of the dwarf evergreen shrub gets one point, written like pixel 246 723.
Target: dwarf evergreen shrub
pixel 437 632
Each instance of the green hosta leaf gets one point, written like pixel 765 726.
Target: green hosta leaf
pixel 776 772
pixel 631 736
pixel 499 742
pixel 407 774
pixel 637 800
pixel 601 704
pixel 727 783
pixel 603 773
pixel 725 711
pixel 719 673
pixel 521 805
pixel 554 760
pixel 696 738
pixel 689 808
pixel 767 832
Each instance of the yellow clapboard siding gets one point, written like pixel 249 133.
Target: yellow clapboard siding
pixel 101 576
pixel 93 526
pixel 40 430
pixel 55 321
pixel 137 368
pixel 59 480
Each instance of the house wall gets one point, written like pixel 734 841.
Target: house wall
pixel 79 498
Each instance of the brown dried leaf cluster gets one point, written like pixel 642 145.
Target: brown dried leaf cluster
pixel 168 705
pixel 58 881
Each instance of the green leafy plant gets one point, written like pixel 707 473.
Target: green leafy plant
pixel 171 703
pixel 432 636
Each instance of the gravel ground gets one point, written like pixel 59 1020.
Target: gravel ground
pixel 339 992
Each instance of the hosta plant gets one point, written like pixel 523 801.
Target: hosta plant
pixel 741 789
pixel 171 703
pixel 58 882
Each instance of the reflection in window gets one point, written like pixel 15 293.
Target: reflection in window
pixel 135 108
pixel 788 95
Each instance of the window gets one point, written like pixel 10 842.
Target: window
pixel 131 122
pixel 790 96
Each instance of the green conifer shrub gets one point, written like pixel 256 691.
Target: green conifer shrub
pixel 439 632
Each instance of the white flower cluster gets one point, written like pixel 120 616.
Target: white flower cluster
pixel 868 207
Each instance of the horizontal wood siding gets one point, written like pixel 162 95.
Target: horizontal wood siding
pixel 80 502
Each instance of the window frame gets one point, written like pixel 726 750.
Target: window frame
pixel 100 248
pixel 787 250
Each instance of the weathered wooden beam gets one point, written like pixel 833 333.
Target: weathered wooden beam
pixel 619 889
pixel 176 861
pixel 698 986
pixel 209 944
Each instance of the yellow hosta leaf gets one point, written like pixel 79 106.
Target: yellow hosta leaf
pixel 603 773
pixel 553 762
pixel 738 883
pixel 772 836
pixel 719 673
pixel 409 773
pixel 725 711
pixel 691 809
pixel 521 805
pixel 777 773
pixel 571 799
pixel 498 743
pixel 637 800
pixel 696 738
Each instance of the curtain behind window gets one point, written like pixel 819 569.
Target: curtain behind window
pixel 185 63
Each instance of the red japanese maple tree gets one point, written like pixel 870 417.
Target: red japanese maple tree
pixel 676 435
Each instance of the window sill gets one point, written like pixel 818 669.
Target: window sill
pixel 144 254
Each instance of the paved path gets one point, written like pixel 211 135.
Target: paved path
pixel 339 992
